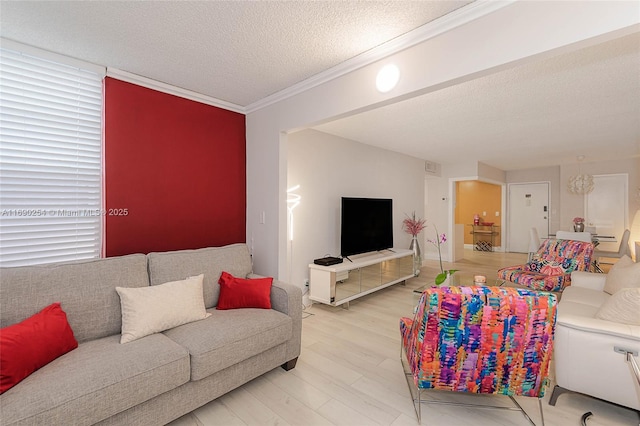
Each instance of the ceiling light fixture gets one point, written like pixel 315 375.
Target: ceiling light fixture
pixel 387 78
pixel 580 183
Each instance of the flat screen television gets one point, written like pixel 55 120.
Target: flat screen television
pixel 366 225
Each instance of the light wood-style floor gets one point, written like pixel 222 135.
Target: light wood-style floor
pixel 349 372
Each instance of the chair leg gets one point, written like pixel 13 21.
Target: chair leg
pixel 557 391
pixel 596 267
pixel 411 385
pixel 524 413
pixel 419 406
pixel 585 416
pixel 540 408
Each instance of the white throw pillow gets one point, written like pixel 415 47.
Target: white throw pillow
pixel 622 307
pixel 148 310
pixel 623 274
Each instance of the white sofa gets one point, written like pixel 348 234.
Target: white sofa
pixel 584 355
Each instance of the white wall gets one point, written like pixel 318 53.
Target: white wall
pixel 437 205
pixel 565 205
pixel 327 168
pixel 573 205
pixel 488 173
pixel 544 174
pixel 440 201
pixel 488 43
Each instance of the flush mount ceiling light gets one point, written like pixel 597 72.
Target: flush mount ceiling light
pixel 580 184
pixel 387 78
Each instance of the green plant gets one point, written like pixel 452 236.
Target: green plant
pixel 441 239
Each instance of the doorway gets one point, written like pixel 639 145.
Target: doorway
pixel 528 208
pixel 482 199
pixel 606 208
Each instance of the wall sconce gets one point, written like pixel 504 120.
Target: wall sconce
pixel 387 78
pixel 580 184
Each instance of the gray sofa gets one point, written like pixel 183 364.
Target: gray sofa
pixel 160 377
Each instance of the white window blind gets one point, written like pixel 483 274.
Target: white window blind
pixel 50 160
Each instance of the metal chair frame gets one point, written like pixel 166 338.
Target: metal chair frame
pixel 416 396
pixel 623 249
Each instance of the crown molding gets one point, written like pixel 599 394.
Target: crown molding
pixel 6 43
pixel 172 90
pixel 448 22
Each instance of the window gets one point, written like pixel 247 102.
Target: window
pixel 50 158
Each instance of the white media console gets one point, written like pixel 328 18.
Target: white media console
pixel 338 284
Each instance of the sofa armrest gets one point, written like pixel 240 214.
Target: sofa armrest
pixel 595 325
pixel 586 360
pixel 287 298
pixel 588 280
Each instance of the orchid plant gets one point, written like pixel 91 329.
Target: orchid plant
pixel 441 239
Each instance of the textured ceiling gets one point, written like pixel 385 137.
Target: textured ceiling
pixel 539 114
pixel 235 51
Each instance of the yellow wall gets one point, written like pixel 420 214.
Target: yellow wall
pixel 473 197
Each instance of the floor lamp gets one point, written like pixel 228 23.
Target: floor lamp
pixel 293 200
pixel 634 239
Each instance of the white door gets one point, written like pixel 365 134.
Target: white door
pixel 528 207
pixel 606 208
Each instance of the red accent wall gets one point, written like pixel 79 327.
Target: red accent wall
pixel 176 166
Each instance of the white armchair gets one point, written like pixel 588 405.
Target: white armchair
pixel 590 353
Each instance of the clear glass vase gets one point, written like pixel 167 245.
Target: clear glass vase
pixel 417 255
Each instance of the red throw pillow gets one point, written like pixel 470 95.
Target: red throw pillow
pixel 33 343
pixel 244 293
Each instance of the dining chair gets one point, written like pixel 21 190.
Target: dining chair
pixel 534 242
pixel 623 249
pixel 575 236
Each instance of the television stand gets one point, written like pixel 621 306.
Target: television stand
pixel 336 285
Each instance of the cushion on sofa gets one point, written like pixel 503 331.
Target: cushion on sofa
pixel 85 289
pixel 625 273
pixel 623 307
pixel 585 296
pixel 97 380
pixel 230 336
pixel 32 344
pixel 176 265
pixel 153 309
pixel 236 293
pixel 580 302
